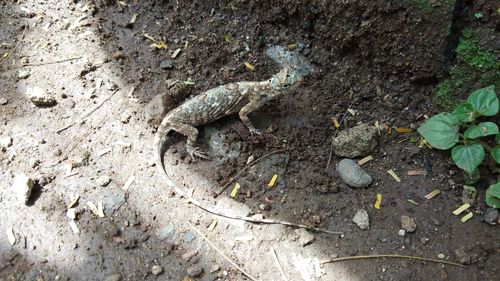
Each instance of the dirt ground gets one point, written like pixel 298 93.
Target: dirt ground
pixel 380 59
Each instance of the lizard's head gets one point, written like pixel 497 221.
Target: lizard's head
pixel 285 79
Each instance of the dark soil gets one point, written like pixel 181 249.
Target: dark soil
pixel 379 58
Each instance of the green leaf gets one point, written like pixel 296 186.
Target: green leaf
pixel 481 130
pixel 441 131
pixel 497 138
pixel 495 153
pixel 468 156
pixel 484 101
pixel 464 113
pixel 493 195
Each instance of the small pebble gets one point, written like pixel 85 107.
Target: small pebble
pixel 23 74
pixel 6 142
pixel 401 232
pixel 194 270
pixel 491 216
pixel 189 237
pixel 3 101
pixel 156 270
pixel 113 277
pixel 57 152
pixel 214 268
pixel 361 219
pixel 40 97
pixel 352 174
pixel 166 64
pixel 441 256
pixel 33 162
pixel 305 237
pixel 103 180
pixel 22 186
pixel 125 117
pixel 408 224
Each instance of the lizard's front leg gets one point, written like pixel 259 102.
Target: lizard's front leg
pixel 192 134
pixel 254 103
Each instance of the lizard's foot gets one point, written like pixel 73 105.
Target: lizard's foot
pixel 196 151
pixel 254 131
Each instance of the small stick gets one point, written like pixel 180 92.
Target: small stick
pixel 17 44
pixel 273 251
pixel 221 253
pixel 246 168
pixel 334 136
pixel 88 113
pixel 393 256
pixel 48 63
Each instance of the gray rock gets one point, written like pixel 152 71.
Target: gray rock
pixel 401 232
pixel 408 224
pixel 113 277
pixel 157 108
pixel 6 142
pixel 39 97
pixel 352 174
pixel 194 270
pixel 355 142
pixel 166 64
pixel 3 101
pixel 166 231
pixel 103 180
pixel 23 74
pixel 22 187
pixel 156 270
pixel 491 216
pixel 361 219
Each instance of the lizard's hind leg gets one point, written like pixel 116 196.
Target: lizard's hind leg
pixel 192 135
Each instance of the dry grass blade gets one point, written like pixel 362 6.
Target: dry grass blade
pixel 392 256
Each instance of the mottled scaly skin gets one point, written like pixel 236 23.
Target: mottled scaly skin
pixel 242 98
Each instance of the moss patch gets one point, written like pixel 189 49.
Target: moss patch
pixel 476 67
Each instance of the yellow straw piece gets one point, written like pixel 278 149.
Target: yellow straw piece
pixel 432 194
pixel 235 190
pixel 396 178
pixel 461 209
pixel 466 217
pixel 272 181
pixel 378 201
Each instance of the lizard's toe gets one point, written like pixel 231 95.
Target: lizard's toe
pixel 254 131
pixel 196 151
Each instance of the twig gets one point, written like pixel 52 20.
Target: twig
pixel 246 168
pixel 48 63
pixel 273 251
pixel 88 113
pixel 392 256
pixel 17 44
pixel 221 253
pixel 334 136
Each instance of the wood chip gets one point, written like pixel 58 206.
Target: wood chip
pixel 128 183
pixel 393 174
pixel 335 122
pixel 271 183
pixel 104 151
pixel 100 210
pixel 73 226
pixel 432 194
pixel 404 130
pixel 413 202
pixel 93 208
pixel 74 173
pixel 235 190
pixel 176 53
pixel 466 217
pixel 133 19
pixel 10 236
pixel 249 66
pixel 74 200
pixel 212 226
pixel 461 209
pixel 416 173
pixel 71 213
pixel 365 160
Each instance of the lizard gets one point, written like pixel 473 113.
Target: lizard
pixel 238 97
